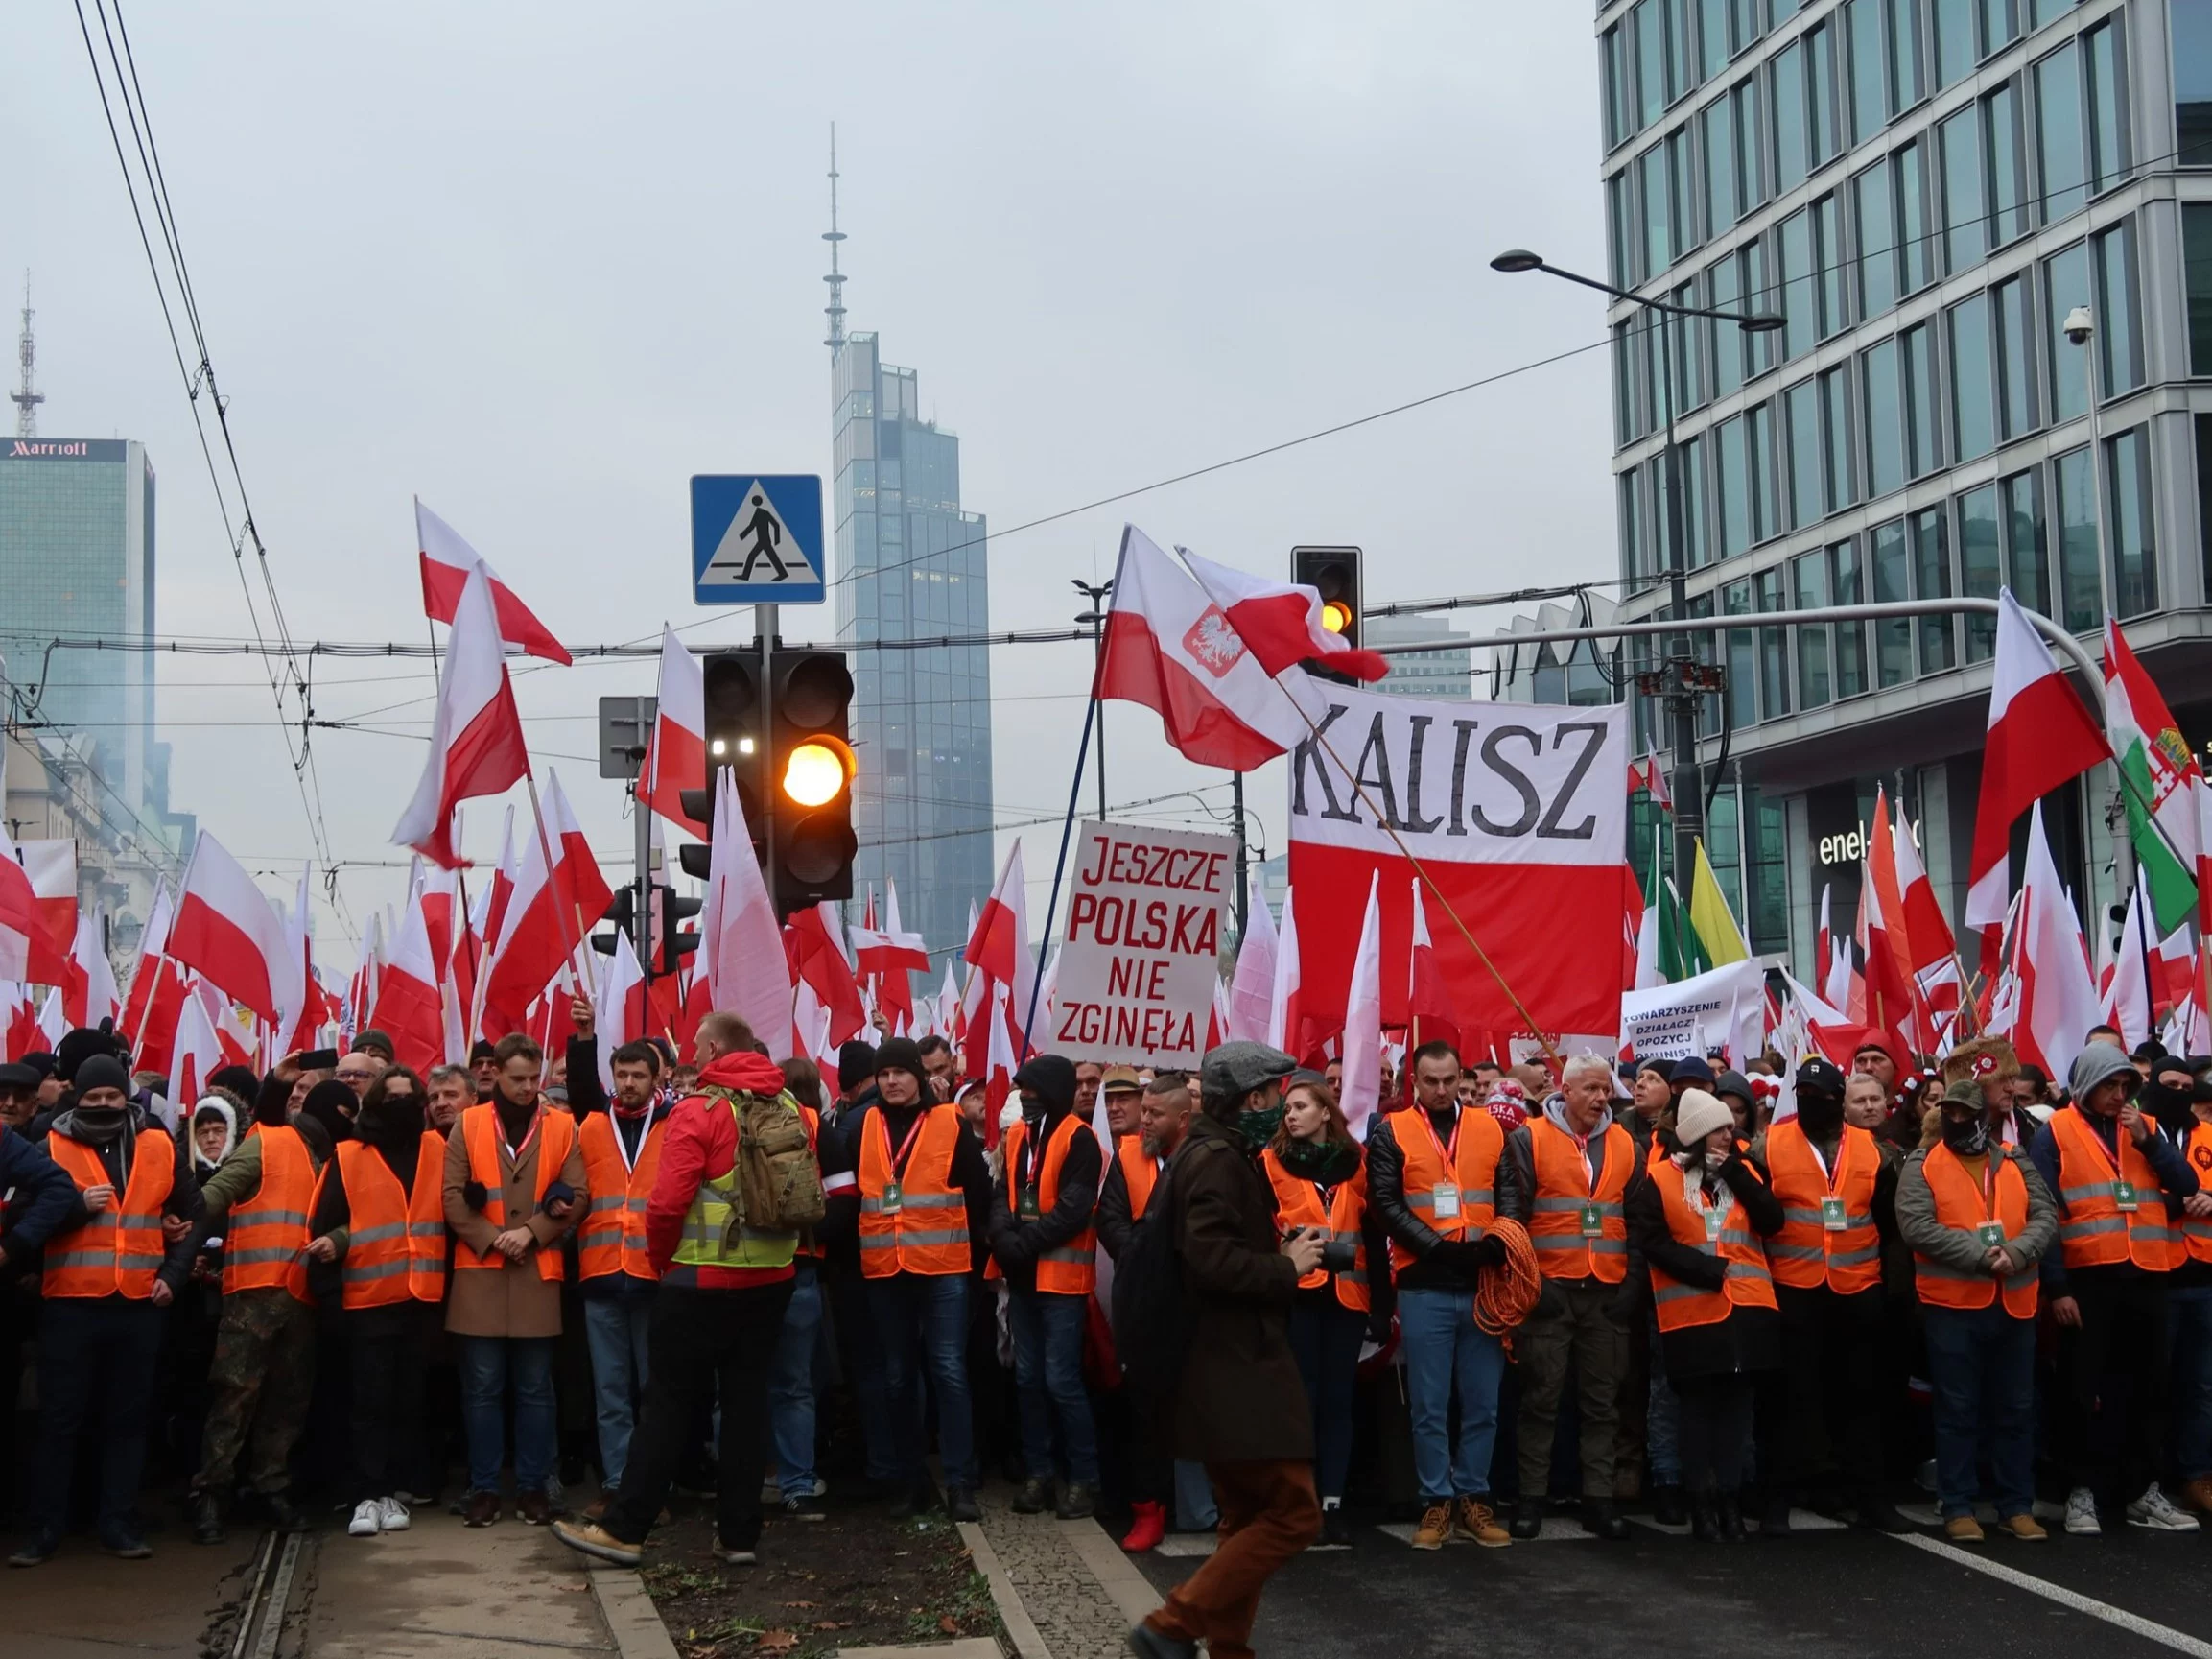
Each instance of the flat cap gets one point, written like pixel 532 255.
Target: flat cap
pixel 1240 1067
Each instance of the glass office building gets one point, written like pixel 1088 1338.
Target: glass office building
pixel 910 566
pixel 1925 190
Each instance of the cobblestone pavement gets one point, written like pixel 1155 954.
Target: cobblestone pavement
pixel 1073 1612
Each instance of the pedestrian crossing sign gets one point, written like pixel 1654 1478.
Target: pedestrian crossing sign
pixel 757 537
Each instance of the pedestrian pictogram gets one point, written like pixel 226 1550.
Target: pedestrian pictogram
pixel 757 537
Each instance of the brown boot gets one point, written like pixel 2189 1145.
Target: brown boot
pixel 1475 1522
pixel 1435 1528
pixel 2197 1495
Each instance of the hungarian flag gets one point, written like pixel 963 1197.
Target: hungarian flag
pixel 447 561
pixel 2160 781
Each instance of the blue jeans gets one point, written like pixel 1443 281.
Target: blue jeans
pixel 1443 1348
pixel 1663 1420
pixel 791 1383
pixel 486 1363
pixel 1981 1363
pixel 1048 1376
pixel 1325 1337
pixel 2189 1322
pixel 923 1321
pixel 1195 1510
pixel 615 1328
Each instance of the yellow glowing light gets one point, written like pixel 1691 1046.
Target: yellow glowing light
pixel 818 771
pixel 1336 616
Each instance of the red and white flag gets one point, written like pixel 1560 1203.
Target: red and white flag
pixel 1892 1008
pixel 29 954
pixel 194 1055
pixel 619 1006
pixel 676 753
pixel 999 1065
pixel 1429 1005
pixel 408 1006
pixel 447 561
pixel 1170 648
pixel 228 930
pixel 1285 1022
pixel 546 918
pixel 740 946
pixel 52 866
pixel 1650 776
pixel 998 947
pixel 2051 1002
pixel 1281 621
pixel 817 958
pixel 476 741
pixel 2128 998
pixel 88 993
pixel 1935 953
pixel 1362 1043
pixel 2039 735
pixel 889 955
pixel 1252 987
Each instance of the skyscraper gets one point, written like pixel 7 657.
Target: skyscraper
pixel 909 564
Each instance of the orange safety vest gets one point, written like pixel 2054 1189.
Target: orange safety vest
pixel 119 1251
pixel 1477 1142
pixel 394 1239
pixel 262 1243
pixel 612 1239
pixel 1069 1269
pixel 1139 1172
pixel 556 1133
pixel 2194 1236
pixel 924 1230
pixel 1297 1204
pixel 1568 1246
pixel 1748 1283
pixel 1961 1202
pixel 809 1244
pixel 2095 1230
pixel 1829 1236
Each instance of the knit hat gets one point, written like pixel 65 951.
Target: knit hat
pixel 1051 1077
pixel 1663 1070
pixel 855 1064
pixel 240 1081
pixel 372 1041
pixel 1698 1114
pixel 2096 1063
pixel 1992 1060
pixel 103 1071
pixel 1692 1069
pixel 79 1046
pixel 903 1055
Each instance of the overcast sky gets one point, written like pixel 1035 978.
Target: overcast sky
pixel 540 263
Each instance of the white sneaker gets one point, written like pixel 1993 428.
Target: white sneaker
pixel 368 1519
pixel 390 1515
pixel 2081 1513
pixel 2155 1510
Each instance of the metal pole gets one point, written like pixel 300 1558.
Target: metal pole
pixel 643 921
pixel 764 619
pixel 2107 772
pixel 1681 703
pixel 1244 856
pixel 1098 652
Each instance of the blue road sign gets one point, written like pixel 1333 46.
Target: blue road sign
pixel 757 539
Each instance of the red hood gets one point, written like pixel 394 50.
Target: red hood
pixel 754 1074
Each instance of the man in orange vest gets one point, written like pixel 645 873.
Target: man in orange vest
pixel 264 1370
pixel 107 1282
pixel 2183 1104
pixel 1576 1167
pixel 1130 1174
pixel 1838 1186
pixel 2122 1187
pixel 1042 1243
pixel 1979 1220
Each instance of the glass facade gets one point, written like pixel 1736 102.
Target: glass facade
pixel 909 564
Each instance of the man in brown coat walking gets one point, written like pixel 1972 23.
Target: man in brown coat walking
pixel 1239 1406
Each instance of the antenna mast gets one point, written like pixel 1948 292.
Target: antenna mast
pixel 26 400
pixel 834 311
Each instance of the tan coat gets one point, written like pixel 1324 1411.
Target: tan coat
pixel 511 1300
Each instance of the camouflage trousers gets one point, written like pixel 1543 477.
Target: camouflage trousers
pixel 258 1389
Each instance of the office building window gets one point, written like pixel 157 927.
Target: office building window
pixel 1955 53
pixel 1881 402
pixel 1696 541
pixel 2000 23
pixel 1759 291
pixel 1799 303
pixel 1650 63
pixel 1714 47
pixel 1836 420
pixel 1966 226
pixel 2016 315
pixel 1750 146
pixel 1870 59
pixel 1847 583
pixel 2196 274
pixel 1658 245
pixel 1636 561
pixel 1682 168
pixel 1893 584
pixel 1939 635
pixel 2061 159
pixel 1687 340
pixel 1966 325
pixel 1786 80
pixel 1981 565
pixel 1831 261
pixel 2065 285
pixel 1908 64
pixel 1732 473
pixel 1619 121
pixel 1743 663
pixel 2203 426
pixel 1924 409
pixel 2135 540
pixel 2027 568
pixel 1620 231
pixel 2009 211
pixel 2042 11
pixel 2109 151
pixel 1915 223
pixel 1774 650
pixel 1728 339
pixel 1809 571
pixel 2078 589
pixel 1876 227
pixel 1759 442
pixel 1748 25
pixel 1821 94
pixel 2192 23
pixel 1718 140
pixel 1807 502
pixel 2119 333
pixel 1681 58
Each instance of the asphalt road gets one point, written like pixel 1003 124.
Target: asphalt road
pixel 1831 1595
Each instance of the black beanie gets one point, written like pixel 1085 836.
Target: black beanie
pixel 101 1071
pixel 240 1081
pixel 79 1046
pixel 855 1065
pixel 898 1055
pixel 1051 1077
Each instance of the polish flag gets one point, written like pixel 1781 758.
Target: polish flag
pixel 890 955
pixel 408 1006
pixel 23 1033
pixel 2039 735
pixel 951 1025
pixel 448 561
pixel 740 945
pixel 1281 621
pixel 1217 1021
pixel 438 894
pixel 619 1010
pixel 545 918
pixel 53 1026
pixel 2173 972
pixel 29 954
pixel 1823 941
pixel 1362 1047
pixel 1648 776
pixel 998 1067
pixel 817 960
pixel 1170 648
pixel 998 945
pixel 1283 1018
pixel 88 993
pixel 1890 1007
pixel 2128 995
pixel 227 930
pixel 1935 953
pixel 52 866
pixel 1428 998
pixel 149 1018
pixel 476 741
pixel 1252 985
pixel 2054 1001
pixel 195 1054
pixel 676 753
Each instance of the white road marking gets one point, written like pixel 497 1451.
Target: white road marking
pixel 2134 1623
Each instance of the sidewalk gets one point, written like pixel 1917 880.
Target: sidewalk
pixel 1079 1592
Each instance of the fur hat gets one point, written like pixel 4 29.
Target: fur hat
pixel 1984 1060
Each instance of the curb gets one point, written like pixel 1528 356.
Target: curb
pixel 1021 1628
pixel 1116 1574
pixel 631 1618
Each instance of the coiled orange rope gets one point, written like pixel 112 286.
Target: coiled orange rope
pixel 1505 1294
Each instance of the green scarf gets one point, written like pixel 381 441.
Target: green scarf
pixel 1329 1162
pixel 1257 1128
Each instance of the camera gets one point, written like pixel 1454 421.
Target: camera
pixel 1339 1256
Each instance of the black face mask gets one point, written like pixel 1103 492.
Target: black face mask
pixel 1969 1137
pixel 1820 1114
pixel 2169 1105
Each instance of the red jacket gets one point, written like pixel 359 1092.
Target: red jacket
pixel 700 1144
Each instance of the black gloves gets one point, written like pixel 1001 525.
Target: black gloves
pixel 473 1194
pixel 1491 1249
pixel 1462 1256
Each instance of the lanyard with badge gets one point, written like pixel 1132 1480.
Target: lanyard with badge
pixel 1833 1219
pixel 1716 1207
pixel 2122 1189
pixel 1031 1157
pixel 1447 1196
pixel 894 1199
pixel 1992 1231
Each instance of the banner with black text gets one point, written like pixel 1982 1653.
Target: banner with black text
pixel 1140 956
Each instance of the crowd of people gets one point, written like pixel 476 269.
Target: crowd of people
pixel 1726 1295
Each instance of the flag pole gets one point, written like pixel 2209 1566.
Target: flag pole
pixel 1059 867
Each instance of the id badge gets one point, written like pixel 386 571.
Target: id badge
pixel 1991 1234
pixel 1713 1220
pixel 1447 1204
pixel 2124 1195
pixel 1593 1221
pixel 1029 1210
pixel 1833 1214
pixel 894 1199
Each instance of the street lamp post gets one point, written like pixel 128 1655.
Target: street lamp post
pixel 1679 673
pixel 2080 328
pixel 1097 592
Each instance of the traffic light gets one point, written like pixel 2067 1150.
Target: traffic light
pixel 730 681
pixel 813 768
pixel 623 917
pixel 1333 573
pixel 672 908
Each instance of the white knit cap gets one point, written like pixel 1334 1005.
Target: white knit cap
pixel 1698 1114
